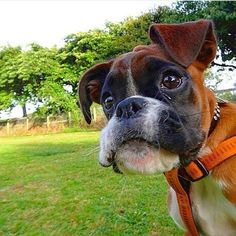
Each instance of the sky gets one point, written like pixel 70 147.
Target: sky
pixel 48 22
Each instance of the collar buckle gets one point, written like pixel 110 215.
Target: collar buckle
pixel 196 170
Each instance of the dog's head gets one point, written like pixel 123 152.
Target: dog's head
pixel 158 108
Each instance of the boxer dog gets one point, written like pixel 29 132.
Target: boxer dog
pixel 161 117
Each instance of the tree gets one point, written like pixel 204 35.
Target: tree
pixel 25 76
pixel 228 96
pixel 84 49
pixel 10 84
pixel 6 100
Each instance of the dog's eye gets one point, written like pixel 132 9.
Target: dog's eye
pixel 108 103
pixel 171 82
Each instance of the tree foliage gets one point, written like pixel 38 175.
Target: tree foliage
pixel 27 76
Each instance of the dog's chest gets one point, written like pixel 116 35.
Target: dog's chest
pixel 213 213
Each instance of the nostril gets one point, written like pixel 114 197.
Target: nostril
pixel 135 106
pixel 129 107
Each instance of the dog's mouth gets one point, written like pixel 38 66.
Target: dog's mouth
pixel 141 156
pixel 134 154
pixel 142 148
pixel 138 155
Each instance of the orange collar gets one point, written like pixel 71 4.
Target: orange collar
pixel 180 178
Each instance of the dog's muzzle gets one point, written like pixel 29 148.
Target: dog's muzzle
pixel 144 135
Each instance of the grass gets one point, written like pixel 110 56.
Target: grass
pixel 52 185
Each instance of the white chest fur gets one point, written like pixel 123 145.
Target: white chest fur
pixel 213 213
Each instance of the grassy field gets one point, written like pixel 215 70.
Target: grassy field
pixel 52 185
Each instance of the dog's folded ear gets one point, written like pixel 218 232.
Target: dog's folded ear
pixel 90 86
pixel 187 42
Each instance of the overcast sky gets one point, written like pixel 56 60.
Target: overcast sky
pixel 48 22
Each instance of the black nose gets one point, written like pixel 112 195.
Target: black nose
pixel 130 107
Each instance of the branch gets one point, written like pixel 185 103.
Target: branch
pixel 223 65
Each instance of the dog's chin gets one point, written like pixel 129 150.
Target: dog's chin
pixel 140 157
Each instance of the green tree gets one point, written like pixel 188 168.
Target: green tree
pixel 34 76
pixel 130 33
pixel 228 96
pixel 6 100
pixel 11 86
pixel 84 49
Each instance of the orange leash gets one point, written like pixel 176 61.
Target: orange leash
pixel 183 201
pixel 180 179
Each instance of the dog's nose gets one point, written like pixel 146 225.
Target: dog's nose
pixel 129 107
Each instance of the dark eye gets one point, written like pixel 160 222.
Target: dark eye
pixel 108 103
pixel 171 82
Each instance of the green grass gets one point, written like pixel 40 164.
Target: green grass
pixel 53 185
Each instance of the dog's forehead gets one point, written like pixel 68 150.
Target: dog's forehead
pixel 123 64
pixel 121 74
pixel 133 64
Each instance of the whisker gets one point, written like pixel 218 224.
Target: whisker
pixel 90 151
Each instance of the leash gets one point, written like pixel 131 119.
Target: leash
pixel 180 179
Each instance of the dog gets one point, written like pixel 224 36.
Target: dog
pixel 162 118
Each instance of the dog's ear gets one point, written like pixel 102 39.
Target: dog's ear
pixel 90 86
pixel 187 42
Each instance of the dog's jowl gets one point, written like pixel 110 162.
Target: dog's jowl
pixel 162 118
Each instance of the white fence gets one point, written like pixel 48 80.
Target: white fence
pixel 33 125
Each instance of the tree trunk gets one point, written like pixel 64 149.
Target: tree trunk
pixel 24 110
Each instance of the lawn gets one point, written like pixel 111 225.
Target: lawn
pixel 53 185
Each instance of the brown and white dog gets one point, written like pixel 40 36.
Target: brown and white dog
pixel 162 116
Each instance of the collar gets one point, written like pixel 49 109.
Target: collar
pixel 201 167
pixel 180 178
pixel 216 117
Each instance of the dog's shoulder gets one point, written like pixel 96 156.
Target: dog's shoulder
pixel 225 176
pixel 225 173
